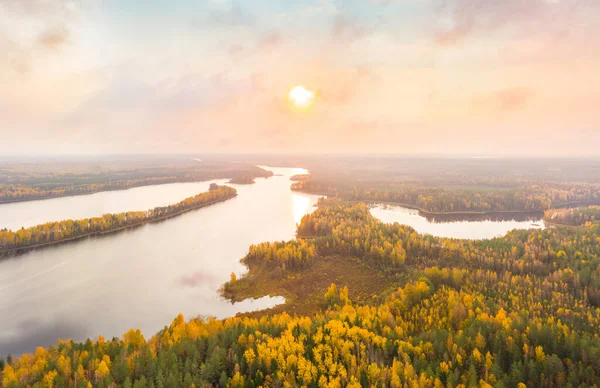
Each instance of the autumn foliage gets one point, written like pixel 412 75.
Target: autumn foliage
pixel 52 232
pixel 522 310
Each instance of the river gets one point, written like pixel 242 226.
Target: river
pixel 476 228
pixel 141 278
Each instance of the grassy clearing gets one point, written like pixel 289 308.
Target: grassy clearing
pixel 304 289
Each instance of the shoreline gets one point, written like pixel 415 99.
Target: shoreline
pixel 553 224
pixel 13 252
pixel 456 213
pixel 45 197
pixel 453 213
pixel 482 212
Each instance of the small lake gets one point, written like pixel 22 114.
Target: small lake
pixel 475 227
pixel 141 278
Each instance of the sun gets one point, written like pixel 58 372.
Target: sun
pixel 301 97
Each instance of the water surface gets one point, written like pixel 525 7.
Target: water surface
pixel 142 278
pixel 24 214
pixel 495 226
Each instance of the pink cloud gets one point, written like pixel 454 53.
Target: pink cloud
pixel 505 100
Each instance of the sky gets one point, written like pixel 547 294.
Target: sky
pixel 490 77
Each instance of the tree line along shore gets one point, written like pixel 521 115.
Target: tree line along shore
pixel 51 233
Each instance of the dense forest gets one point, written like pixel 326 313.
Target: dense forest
pixel 450 185
pixel 23 182
pixel 280 255
pixel 55 232
pixel 573 217
pixel 528 197
pixel 517 311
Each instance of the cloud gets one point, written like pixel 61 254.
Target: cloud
pixel 343 87
pixel 28 26
pixel 460 19
pixel 229 16
pixel 510 99
pixel 46 11
pixel 131 110
pixel 347 30
pixel 34 7
pixel 270 40
pixel 235 49
pixel 13 56
pixel 53 37
pixel 267 42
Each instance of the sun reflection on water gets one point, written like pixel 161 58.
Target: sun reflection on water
pixel 300 205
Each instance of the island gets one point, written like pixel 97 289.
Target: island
pixel 52 233
pixel 242 180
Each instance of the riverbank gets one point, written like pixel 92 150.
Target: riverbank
pixel 77 194
pixel 71 186
pixel 552 224
pixel 10 252
pixel 457 213
pixel 430 213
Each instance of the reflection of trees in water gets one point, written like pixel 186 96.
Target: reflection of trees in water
pixel 495 217
pixel 533 216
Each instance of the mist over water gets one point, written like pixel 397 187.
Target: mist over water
pixel 142 278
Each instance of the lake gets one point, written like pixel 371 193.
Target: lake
pixel 25 214
pixel 143 277
pixel 475 227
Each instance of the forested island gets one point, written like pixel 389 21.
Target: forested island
pixel 21 181
pixel 68 230
pixel 242 180
pixel 404 309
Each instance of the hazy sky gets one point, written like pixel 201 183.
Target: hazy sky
pixel 395 76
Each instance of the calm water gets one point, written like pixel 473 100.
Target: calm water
pixel 141 278
pixel 24 214
pixel 473 230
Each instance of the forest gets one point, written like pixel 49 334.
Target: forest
pixel 573 217
pixel 443 186
pixel 66 230
pixel 21 181
pixel 242 180
pixel 432 200
pixel 517 311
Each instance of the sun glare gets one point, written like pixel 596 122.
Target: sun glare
pixel 301 97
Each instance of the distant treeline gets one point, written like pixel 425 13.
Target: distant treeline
pixel 55 232
pixel 529 197
pixel 63 184
pixel 16 193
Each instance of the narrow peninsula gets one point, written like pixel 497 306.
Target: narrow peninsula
pixel 51 233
